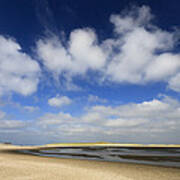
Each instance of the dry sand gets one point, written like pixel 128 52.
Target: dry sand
pixel 14 166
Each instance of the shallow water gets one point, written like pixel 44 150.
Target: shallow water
pixel 154 156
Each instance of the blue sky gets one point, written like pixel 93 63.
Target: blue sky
pixel 89 71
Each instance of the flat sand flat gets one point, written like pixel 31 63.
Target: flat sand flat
pixel 16 166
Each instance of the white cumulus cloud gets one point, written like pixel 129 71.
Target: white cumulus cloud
pixel 59 101
pixel 139 52
pixel 159 116
pixel 83 53
pixel 140 122
pixel 18 72
pixel 174 82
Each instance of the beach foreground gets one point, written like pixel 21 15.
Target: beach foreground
pixel 17 166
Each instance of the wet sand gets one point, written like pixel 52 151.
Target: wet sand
pixel 18 166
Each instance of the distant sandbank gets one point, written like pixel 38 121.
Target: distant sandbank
pixel 15 166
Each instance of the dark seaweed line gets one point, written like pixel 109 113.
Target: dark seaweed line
pixel 65 154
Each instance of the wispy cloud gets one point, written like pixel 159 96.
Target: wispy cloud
pixel 45 16
pixel 96 99
pixel 31 108
pixel 10 124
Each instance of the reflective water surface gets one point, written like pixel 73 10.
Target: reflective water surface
pixel 153 156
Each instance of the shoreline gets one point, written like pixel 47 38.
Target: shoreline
pixel 14 165
pixel 77 157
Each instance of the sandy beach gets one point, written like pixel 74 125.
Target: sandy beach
pixel 16 166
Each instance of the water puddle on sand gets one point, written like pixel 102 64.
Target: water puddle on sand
pixel 154 156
